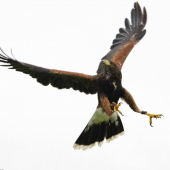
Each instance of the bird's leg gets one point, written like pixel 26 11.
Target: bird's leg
pixel 151 116
pixel 115 107
pixel 105 104
pixel 130 101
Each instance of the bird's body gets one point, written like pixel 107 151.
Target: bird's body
pixel 110 84
pixel 105 122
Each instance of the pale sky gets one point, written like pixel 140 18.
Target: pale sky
pixel 39 125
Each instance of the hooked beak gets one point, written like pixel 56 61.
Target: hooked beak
pixel 106 62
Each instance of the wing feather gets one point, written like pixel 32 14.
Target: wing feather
pixel 121 36
pixel 127 24
pixel 144 16
pixel 138 13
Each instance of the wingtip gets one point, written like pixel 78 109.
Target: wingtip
pixel 136 3
pixel 144 16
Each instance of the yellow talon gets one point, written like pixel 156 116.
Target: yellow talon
pixel 153 116
pixel 116 108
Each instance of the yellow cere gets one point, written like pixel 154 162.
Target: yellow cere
pixel 107 62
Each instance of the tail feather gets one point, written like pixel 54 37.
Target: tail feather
pixel 98 128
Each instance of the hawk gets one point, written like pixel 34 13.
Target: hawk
pixel 107 83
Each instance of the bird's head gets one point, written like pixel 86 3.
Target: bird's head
pixel 111 69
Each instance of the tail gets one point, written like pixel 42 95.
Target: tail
pixel 99 127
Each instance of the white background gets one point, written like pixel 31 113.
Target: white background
pixel 39 125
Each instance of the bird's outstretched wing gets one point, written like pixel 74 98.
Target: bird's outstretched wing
pixel 60 79
pixel 127 38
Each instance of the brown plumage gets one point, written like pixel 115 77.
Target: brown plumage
pixel 105 123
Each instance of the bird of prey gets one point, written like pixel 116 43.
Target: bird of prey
pixel 107 83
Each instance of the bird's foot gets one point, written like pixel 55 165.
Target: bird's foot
pixel 152 116
pixel 116 107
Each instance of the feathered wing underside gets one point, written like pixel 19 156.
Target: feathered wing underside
pixel 57 78
pixel 127 38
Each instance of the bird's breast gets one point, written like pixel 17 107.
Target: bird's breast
pixel 114 85
pixel 110 87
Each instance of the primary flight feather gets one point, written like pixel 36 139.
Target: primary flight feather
pixel 105 122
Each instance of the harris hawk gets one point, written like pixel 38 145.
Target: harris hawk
pixel 107 83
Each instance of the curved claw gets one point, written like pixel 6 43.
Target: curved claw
pixel 162 115
pixel 153 116
pixel 120 112
pixel 150 119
